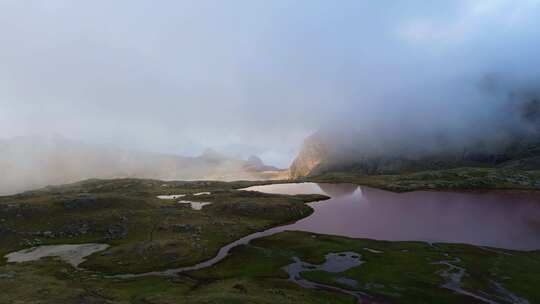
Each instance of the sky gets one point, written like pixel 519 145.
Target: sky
pixel 257 77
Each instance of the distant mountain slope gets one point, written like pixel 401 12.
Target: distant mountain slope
pixel 31 162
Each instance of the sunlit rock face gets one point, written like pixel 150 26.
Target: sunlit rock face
pixel 348 149
pixel 313 152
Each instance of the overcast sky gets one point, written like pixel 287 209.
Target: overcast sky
pixel 256 77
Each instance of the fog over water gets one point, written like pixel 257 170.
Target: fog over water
pixel 257 77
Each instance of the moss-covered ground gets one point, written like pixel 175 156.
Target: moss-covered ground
pixel 466 178
pixel 146 234
pixel 393 272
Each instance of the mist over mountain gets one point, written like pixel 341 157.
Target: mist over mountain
pixel 400 79
pixel 32 162
pixel 513 141
pixel 257 77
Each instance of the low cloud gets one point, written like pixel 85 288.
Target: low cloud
pixel 256 77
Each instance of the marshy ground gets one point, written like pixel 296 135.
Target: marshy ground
pixel 148 234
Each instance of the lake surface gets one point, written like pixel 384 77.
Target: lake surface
pixel 496 219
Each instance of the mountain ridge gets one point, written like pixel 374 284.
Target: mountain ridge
pixel 33 162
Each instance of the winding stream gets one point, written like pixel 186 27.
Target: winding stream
pixel 335 263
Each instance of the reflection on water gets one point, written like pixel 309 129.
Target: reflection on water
pixel 492 219
pixel 338 190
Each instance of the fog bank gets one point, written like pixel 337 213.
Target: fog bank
pixel 257 77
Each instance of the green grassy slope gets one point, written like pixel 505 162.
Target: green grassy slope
pixel 145 233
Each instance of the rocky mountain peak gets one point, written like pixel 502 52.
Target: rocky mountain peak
pixel 254 160
pixel 212 155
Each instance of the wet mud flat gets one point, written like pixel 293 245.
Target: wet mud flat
pixel 72 254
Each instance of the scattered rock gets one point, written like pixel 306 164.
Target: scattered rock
pixel 241 288
pixel 78 203
pixel 183 228
pixel 7 275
